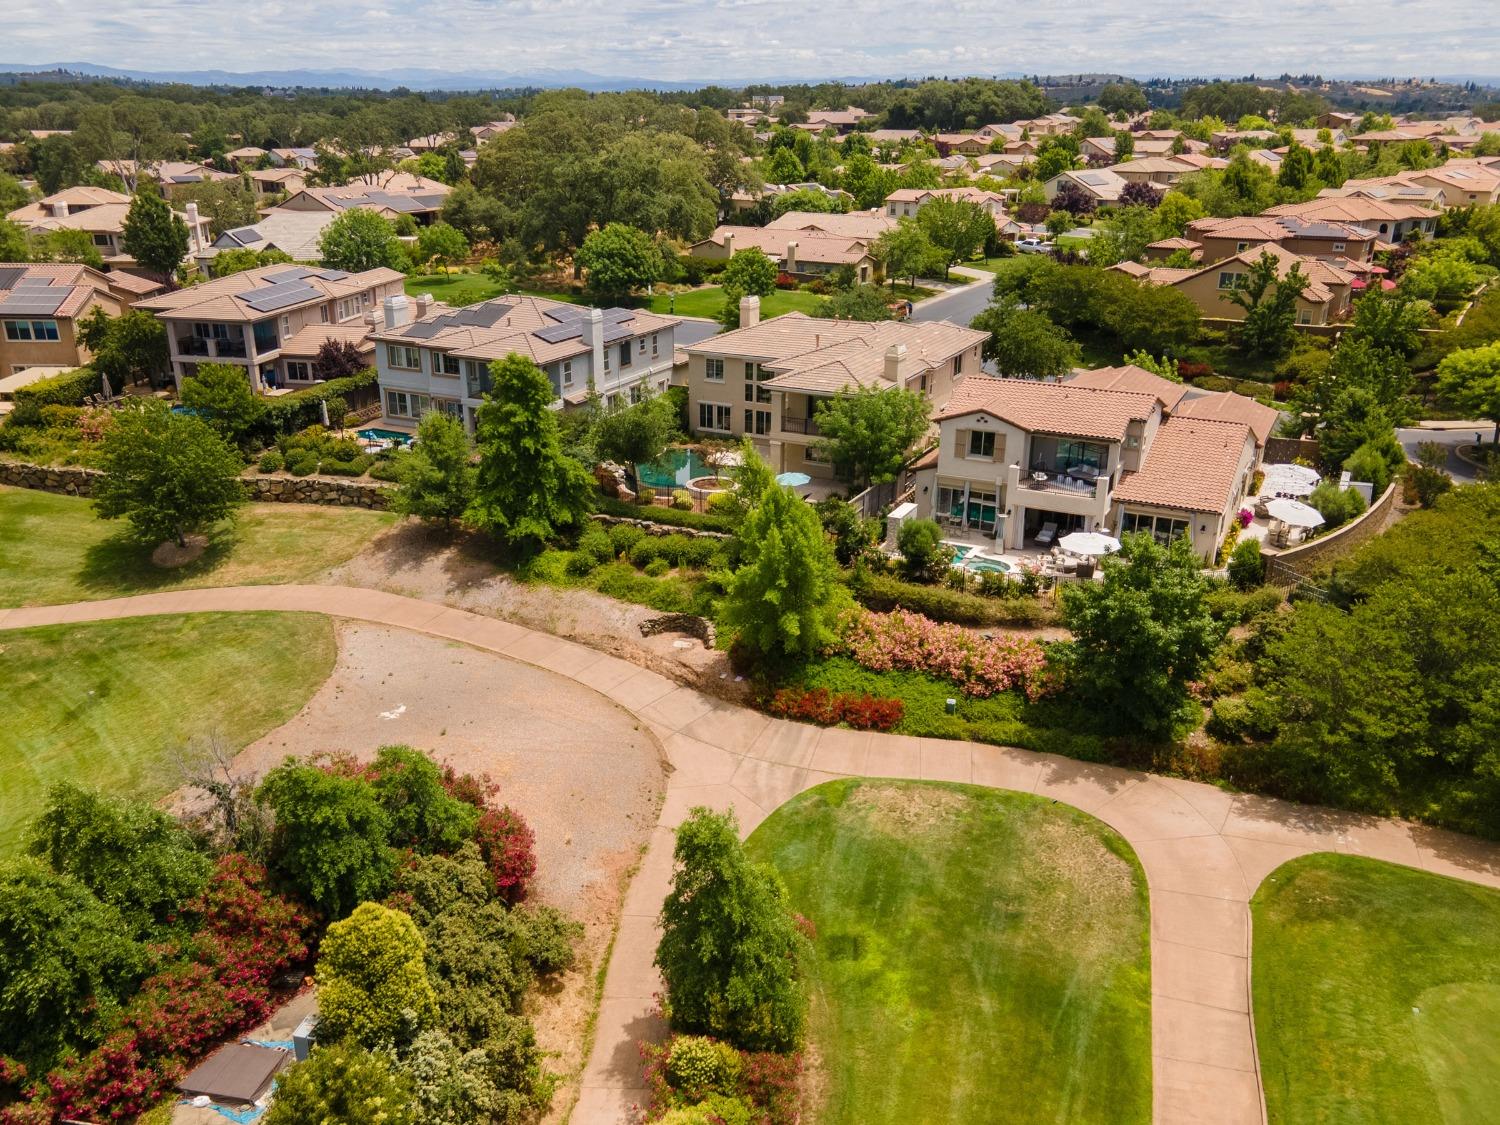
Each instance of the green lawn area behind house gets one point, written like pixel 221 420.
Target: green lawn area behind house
pixel 464 287
pixel 107 703
pixel 980 955
pixel 708 301
pixel 53 549
pixel 1377 994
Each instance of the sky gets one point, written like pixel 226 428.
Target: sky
pixel 739 40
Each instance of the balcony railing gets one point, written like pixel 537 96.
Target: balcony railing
pixel 229 349
pixel 800 426
pixel 1072 482
pixel 192 345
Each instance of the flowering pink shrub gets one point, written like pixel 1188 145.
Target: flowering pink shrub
pixel 909 642
pixel 509 849
pixel 1245 516
pixel 819 705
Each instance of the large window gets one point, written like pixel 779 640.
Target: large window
pixel 477 376
pixel 981 510
pixel 299 371
pixel 403 404
pixel 449 406
pixel 42 330
pixel 407 359
pixel 714 416
pixel 565 372
pixel 982 444
pixel 713 370
pixel 757 422
pixel 445 364
pixel 1228 279
pixel 1162 528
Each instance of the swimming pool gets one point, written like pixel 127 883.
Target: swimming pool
pixel 987 566
pixel 385 435
pixel 674 469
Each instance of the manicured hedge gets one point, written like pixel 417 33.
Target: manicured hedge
pixel 300 409
pixel 884 593
pixel 672 517
pixel 67 389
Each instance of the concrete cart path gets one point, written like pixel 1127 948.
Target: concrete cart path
pixel 1204 851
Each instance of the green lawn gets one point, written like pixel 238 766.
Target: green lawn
pixel 56 550
pixel 1377 994
pixel 106 703
pixel 462 287
pixel 996 265
pixel 980 956
pixel 708 301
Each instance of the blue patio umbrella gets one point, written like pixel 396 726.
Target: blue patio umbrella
pixel 793 480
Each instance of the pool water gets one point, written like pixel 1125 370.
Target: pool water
pixel 987 566
pixel 960 553
pixel 674 469
pixel 385 435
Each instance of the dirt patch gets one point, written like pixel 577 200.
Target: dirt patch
pixel 901 809
pixel 418 562
pixel 169 555
pixel 586 775
pixel 1084 890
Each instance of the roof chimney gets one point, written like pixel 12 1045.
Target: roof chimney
pixel 59 208
pixel 895 356
pixel 728 244
pixel 749 311
pixel 791 256
pixel 593 336
pixel 195 234
pixel 424 305
pixel 397 311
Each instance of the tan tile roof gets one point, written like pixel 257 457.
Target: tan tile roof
pixel 1051 408
pixel 1277 227
pixel 1132 378
pixel 1191 465
pixel 77 283
pixel 1226 406
pixel 223 298
pixel 1357 209
pixel 308 340
pixel 812 246
pixel 866 225
pixel 81 196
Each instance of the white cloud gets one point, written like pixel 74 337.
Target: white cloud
pixel 736 40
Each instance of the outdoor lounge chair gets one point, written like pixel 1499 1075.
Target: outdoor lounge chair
pixel 1047 534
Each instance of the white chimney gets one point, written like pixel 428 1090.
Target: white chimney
pixel 895 356
pixel 749 311
pixel 593 336
pixel 424 305
pixel 728 245
pixel 195 234
pixel 397 311
pixel 59 209
pixel 791 257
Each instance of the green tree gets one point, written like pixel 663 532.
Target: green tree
pixel 166 474
pixel 1166 367
pixel 905 251
pixel 1124 146
pixel 1269 301
pixel 1469 378
pixel 956 227
pixel 154 235
pixel 1025 343
pixel 66 246
pixel 861 302
pixel 528 490
pixel 1142 635
pixel 1124 236
pixel 1428 478
pixel 360 240
pixel 730 951
pixel 1439 277
pixel 443 244
pixel 132 856
pixel 1122 97
pixel 1296 170
pixel 852 534
pixel 227 262
pixel 1054 155
pixel 129 348
pixel 617 259
pixel 423 816
pixel 922 553
pixel 13 244
pixel 435 478
pixel 372 980
pixel 785 597
pixel 783 167
pixel 869 433
pixel 331 836
pixel 66 962
pixel 750 272
pixel 342 1084
pixel 1391 321
pixel 1175 212
pixel 220 394
pixel 635 433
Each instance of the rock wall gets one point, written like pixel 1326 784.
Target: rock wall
pixel 650 527
pixel 72 480
pixel 67 479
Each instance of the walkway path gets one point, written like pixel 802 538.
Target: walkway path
pixel 1204 851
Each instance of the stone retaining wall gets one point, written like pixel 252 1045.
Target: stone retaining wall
pixel 1286 568
pixel 1283 451
pixel 691 624
pixel 650 527
pixel 73 480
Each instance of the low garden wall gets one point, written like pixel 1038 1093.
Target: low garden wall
pixel 73 480
pixel 651 527
pixel 1283 450
pixel 1287 568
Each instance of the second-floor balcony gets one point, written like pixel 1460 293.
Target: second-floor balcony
pixel 808 426
pixel 192 345
pixel 1079 480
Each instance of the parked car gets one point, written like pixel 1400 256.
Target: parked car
pixel 1033 246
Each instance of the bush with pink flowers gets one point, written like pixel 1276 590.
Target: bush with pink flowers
pixel 909 642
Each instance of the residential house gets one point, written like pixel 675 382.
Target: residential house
pixel 430 142
pixel 1325 301
pixel 268 182
pixel 802 254
pixel 41 304
pixel 1097 151
pixel 1002 131
pixel 305 158
pixel 1049 125
pixel 1100 183
pixel 745 200
pixel 906 202
pixel 750 116
pixel 439 358
pixel 101 214
pixel 491 129
pixel 1111 451
pixel 893 136
pixel 999 164
pixel 245 318
pixel 961 144
pixel 841 119
pixel 168 175
pixel 246 157
pixel 1392 221
pixel 1226 139
pixel 766 379
pixel 1318 238
pixel 1158 171
pixel 294 233
pixel 391 194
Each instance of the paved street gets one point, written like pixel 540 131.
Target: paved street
pixel 961 305
pixel 1463 433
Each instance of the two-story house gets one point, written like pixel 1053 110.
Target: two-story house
pixel 1021 463
pixel 1327 239
pixel 433 357
pixel 767 379
pixel 246 318
pixel 1327 299
pixel 389 194
pixel 41 304
pixel 904 203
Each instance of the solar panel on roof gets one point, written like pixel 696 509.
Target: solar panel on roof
pixel 557 333
pixel 486 315
pixel 424 329
pixel 327 274
pixel 280 296
pixel 10 275
pixel 35 303
pixel 281 277
pixel 34 282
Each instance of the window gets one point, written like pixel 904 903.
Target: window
pixel 211 331
pixel 1338 247
pixel 477 377
pixel 606 361
pixel 982 444
pixel 625 357
pixel 713 416
pixel 445 364
pixel 449 406
pixel 1241 247
pixel 299 371
pixel 1161 528
pixel 402 404
pixel 958 366
pixel 1228 279
pixel 566 372
pixel 407 359
pixel 713 370
pixel 654 346
pixel 757 421
pixel 323 313
pixel 641 345
pixel 40 330
pixel 635 394
pixel 286 326
pixel 101 240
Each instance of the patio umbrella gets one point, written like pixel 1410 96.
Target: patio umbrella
pixel 1295 480
pixel 1088 543
pixel 1294 513
pixel 793 480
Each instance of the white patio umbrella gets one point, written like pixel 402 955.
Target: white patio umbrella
pixel 1294 480
pixel 1089 543
pixel 1294 513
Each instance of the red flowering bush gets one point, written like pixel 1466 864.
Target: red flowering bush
pixel 509 849
pixel 785 280
pixel 255 934
pixel 768 1081
pixel 469 788
pixel 913 643
pixel 818 705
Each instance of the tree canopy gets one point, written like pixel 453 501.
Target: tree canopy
pixel 435 477
pixel 869 433
pixel 617 259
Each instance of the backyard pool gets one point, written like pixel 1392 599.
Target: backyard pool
pixel 987 566
pixel 385 435
pixel 674 469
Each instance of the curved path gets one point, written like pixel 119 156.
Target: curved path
pixel 1204 851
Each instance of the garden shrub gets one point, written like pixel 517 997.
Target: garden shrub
pixel 299 409
pixel 766 1084
pixel 624 536
pixel 657 567
pixel 1247 568
pixel 884 592
pixel 682 500
pixel 698 1066
pixel 818 705
pixel 302 463
pixel 1336 505
pixel 1235 718
pixel 580 565
pixel 913 643
pixel 271 461
pixel 509 849
pixel 386 469
pixel 644 551
pixel 920 542
pixel 69 388
pixel 597 545
pixel 655 513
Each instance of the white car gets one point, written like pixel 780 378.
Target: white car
pixel 1033 246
